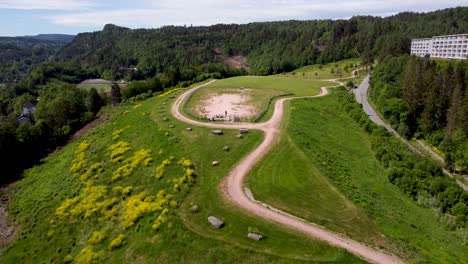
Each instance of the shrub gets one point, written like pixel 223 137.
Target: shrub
pixel 253 230
pixel 68 259
pixel 116 133
pixel 97 237
pixel 79 162
pixel 138 205
pixel 118 149
pixel 91 200
pixel 117 242
pixel 131 163
pixel 87 256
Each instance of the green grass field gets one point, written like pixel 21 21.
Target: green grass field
pixel 335 70
pixel 323 170
pixel 54 227
pixel 101 88
pixel 262 90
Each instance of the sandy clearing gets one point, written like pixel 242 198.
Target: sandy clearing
pixel 227 106
pixel 233 183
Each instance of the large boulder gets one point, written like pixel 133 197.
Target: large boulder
pixel 256 237
pixel 217 132
pixel 215 222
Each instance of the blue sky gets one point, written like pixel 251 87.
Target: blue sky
pixel 30 17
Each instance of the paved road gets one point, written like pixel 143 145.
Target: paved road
pixel 361 97
pixel 361 94
pixel 233 189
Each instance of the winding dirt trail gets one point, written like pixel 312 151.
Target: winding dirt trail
pixel 233 183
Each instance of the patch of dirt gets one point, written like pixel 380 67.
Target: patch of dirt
pixel 80 133
pixel 228 106
pixel 236 62
pixel 7 227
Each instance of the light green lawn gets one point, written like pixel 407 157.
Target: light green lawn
pixel 101 88
pixel 317 71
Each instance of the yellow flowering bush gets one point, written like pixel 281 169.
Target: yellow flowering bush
pixel 123 190
pixel 169 92
pixel 91 200
pixel 117 242
pixel 79 162
pixel 116 133
pixel 97 237
pixel 186 163
pixel 131 163
pixel 138 205
pixel 87 256
pixel 118 149
pixel 161 168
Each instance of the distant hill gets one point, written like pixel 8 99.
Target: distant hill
pixel 54 37
pixel 270 47
pixel 19 54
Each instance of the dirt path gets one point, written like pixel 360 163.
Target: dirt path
pixel 233 183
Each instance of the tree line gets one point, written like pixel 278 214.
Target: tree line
pixel 418 177
pixel 271 47
pixel 426 99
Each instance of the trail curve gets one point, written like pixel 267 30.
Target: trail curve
pixel 233 183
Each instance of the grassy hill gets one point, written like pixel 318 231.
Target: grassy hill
pixel 124 193
pixel 262 90
pixel 323 170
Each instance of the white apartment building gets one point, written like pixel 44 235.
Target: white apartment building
pixel 446 47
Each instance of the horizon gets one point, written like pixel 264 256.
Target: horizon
pixel 71 17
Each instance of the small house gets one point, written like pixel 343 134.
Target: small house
pixel 24 120
pixel 28 109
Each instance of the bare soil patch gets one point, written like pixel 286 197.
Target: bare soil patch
pixel 80 133
pixel 7 227
pixel 227 106
pixel 236 62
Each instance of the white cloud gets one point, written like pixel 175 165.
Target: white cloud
pixel 207 12
pixel 46 4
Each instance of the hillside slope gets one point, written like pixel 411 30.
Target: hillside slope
pixel 126 192
pixel 19 54
pixel 271 47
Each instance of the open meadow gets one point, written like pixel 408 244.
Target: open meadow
pixel 337 70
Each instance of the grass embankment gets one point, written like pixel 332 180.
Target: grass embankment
pixel 98 200
pixel 100 87
pixel 261 90
pixel 337 70
pixel 324 164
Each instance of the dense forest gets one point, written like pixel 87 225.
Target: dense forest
pixel 19 54
pixel 426 99
pixel 270 47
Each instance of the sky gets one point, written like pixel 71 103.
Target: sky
pixel 31 17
